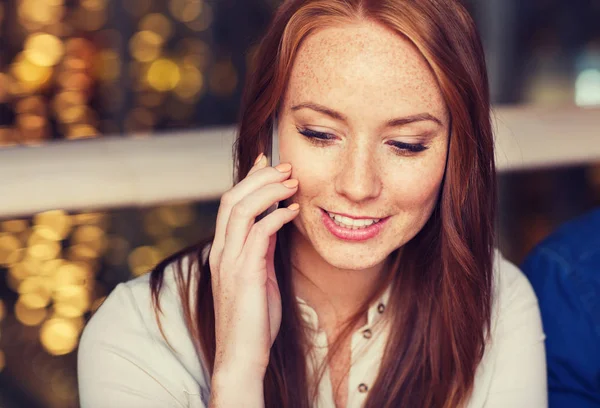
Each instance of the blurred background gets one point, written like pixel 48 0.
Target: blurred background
pixel 92 91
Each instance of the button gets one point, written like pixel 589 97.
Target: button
pixel 367 333
pixel 381 308
pixel 362 388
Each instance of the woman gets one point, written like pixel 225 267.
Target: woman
pixel 375 283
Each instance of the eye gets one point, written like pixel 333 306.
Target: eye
pixel 408 148
pixel 318 138
pixel 400 148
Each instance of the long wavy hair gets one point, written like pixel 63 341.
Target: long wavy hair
pixel 440 304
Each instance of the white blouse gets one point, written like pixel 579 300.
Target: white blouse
pixel 123 360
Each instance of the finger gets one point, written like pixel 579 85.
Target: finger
pixel 271 258
pixel 257 245
pixel 262 177
pixel 243 214
pixel 260 163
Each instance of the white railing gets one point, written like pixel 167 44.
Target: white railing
pixel 112 172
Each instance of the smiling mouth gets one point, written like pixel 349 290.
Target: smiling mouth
pixel 352 223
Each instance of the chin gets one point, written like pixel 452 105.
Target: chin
pixel 353 260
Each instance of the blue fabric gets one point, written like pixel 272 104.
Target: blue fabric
pixel 564 271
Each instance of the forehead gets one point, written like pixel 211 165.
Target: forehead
pixel 364 65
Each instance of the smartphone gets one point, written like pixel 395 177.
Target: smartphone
pixel 272 154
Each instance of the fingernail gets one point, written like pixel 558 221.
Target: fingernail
pixel 284 167
pixel 294 207
pixel 260 156
pixel 292 183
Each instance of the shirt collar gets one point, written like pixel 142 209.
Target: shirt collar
pixel 374 314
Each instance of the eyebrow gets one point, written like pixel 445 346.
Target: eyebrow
pixel 419 117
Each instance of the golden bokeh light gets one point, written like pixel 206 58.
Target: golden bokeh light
pixel 143 259
pixel 80 47
pixel 59 336
pixel 191 84
pixel 14 226
pixel 44 251
pixel 35 292
pixel 163 75
pixel 2 360
pixel 33 129
pixel 99 219
pixel 94 5
pixel 90 19
pixel 145 46
pixel 73 63
pixel 72 274
pixel 66 99
pixel 49 269
pixel 72 113
pixel 223 78
pixel 58 221
pixel 2 310
pixel 5 85
pixel 40 12
pixel 157 23
pixel 83 131
pixel 108 65
pixel 203 21
pixel 43 49
pixel 22 270
pixel 91 236
pixel 71 301
pixel 9 137
pixel 176 215
pixel 41 234
pixel 169 246
pixel 35 105
pixel 75 81
pixel 10 249
pixel 185 10
pixel 27 315
pixel 82 253
pixel 32 77
pixel 195 52
pixel 155 226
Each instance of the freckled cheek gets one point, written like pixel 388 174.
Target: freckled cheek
pixel 416 188
pixel 311 170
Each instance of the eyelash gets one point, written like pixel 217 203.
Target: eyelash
pixel 323 139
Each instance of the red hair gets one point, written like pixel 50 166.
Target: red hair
pixel 442 293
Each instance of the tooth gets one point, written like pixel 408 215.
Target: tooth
pixel 346 220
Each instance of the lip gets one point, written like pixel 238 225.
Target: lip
pixel 354 218
pixel 346 234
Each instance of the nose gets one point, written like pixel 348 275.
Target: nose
pixel 358 176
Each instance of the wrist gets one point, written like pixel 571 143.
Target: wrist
pixel 236 388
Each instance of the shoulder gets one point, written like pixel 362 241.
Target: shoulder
pixel 565 266
pixel 512 372
pixel 124 328
pixel 576 242
pixel 512 290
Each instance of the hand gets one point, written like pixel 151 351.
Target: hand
pixel 246 295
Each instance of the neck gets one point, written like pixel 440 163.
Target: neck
pixel 335 294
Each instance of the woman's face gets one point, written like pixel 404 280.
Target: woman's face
pixel 371 95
